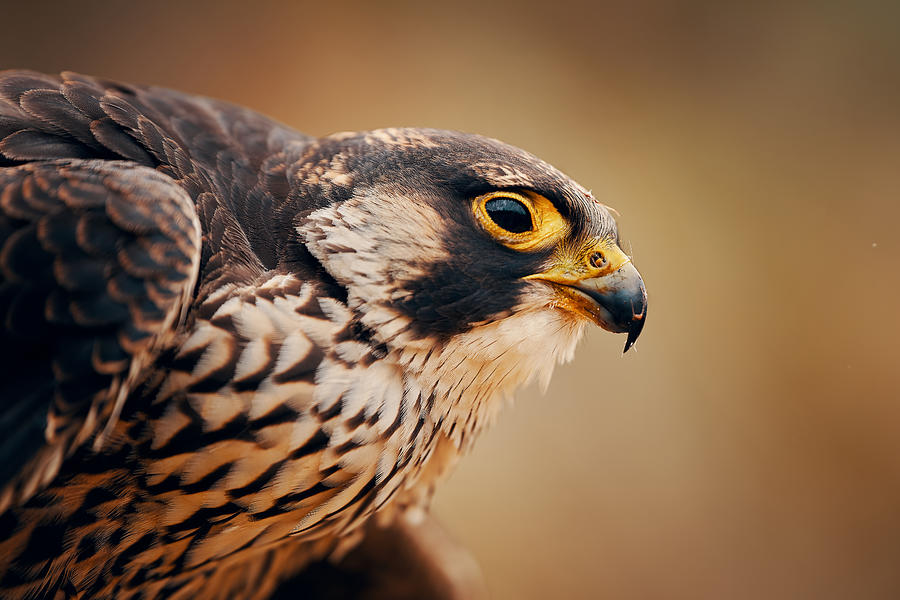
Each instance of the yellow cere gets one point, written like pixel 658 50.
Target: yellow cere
pixel 573 264
pixel 549 225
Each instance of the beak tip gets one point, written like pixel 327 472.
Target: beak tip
pixel 637 325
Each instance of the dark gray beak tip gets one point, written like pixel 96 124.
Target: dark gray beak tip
pixel 638 316
pixel 637 325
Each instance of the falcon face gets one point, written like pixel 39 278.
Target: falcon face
pixel 439 235
pixel 234 347
pixel 463 255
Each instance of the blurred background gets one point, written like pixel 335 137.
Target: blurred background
pixel 750 447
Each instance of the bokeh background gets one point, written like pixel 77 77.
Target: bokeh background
pixel 750 447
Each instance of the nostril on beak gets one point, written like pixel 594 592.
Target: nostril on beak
pixel 597 260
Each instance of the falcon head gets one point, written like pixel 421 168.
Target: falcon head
pixel 464 244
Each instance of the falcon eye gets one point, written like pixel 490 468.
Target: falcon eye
pixel 522 221
pixel 510 214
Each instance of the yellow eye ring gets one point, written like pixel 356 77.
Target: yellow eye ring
pixel 514 209
pixel 504 215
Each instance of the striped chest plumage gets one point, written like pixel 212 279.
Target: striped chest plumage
pixel 268 420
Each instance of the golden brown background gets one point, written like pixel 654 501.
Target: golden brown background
pixel 750 447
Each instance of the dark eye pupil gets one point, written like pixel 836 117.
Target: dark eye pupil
pixel 509 214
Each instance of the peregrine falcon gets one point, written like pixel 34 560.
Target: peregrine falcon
pixel 227 346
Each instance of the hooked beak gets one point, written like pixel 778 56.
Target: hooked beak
pixel 618 301
pixel 607 290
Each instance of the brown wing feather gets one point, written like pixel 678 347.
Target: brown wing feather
pixel 97 264
pixel 233 160
pixel 160 195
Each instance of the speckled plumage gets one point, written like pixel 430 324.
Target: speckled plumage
pixel 232 345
